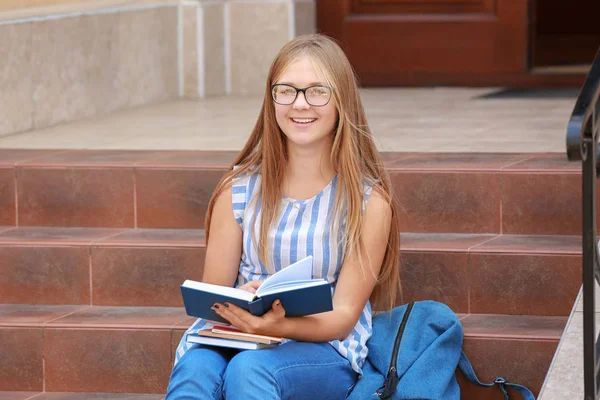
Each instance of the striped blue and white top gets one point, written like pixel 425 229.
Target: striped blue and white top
pixel 302 228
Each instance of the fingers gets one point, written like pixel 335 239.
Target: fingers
pixel 251 286
pixel 237 316
pixel 278 309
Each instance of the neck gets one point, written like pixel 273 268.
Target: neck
pixel 310 163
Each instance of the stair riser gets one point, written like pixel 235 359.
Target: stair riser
pixel 430 201
pixel 493 283
pixel 110 360
pixel 119 276
pixel 543 284
pixel 525 362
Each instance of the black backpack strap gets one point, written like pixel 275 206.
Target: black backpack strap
pixel 467 370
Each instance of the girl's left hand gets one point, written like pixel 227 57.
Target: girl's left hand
pixel 269 324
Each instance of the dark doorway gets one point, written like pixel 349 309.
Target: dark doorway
pixel 566 34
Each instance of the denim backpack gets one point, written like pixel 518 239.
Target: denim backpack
pixel 414 353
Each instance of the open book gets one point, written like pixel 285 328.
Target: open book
pixel 227 336
pixel 299 294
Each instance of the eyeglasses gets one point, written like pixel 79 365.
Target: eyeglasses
pixel 316 96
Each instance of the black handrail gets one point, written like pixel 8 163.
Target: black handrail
pixel 582 144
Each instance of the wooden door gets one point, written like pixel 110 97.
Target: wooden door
pixel 419 42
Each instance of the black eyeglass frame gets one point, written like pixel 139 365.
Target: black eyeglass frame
pixel 298 90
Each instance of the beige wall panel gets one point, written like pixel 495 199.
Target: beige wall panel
pixel 257 32
pixel 214 50
pixel 16 104
pixel 148 63
pixel 190 52
pixel 74 62
pixel 305 17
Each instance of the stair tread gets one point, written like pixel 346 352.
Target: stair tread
pixel 114 317
pixel 513 162
pixel 491 243
pixel 103 236
pixel 126 317
pixel 77 396
pixel 448 242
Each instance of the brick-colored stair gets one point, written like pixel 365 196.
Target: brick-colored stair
pixel 94 245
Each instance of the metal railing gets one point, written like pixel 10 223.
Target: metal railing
pixel 583 133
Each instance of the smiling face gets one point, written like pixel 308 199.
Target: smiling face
pixel 305 125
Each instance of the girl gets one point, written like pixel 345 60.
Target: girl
pixel 309 181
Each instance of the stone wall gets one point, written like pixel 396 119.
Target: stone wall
pixel 68 61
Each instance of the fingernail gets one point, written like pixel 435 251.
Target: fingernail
pixel 215 305
pixel 227 305
pixel 277 303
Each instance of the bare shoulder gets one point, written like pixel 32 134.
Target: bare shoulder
pixel 379 202
pixel 223 209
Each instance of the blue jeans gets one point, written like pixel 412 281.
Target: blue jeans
pixel 294 370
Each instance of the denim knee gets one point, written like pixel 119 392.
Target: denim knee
pixel 248 378
pixel 197 375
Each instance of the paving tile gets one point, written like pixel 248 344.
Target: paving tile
pixel 458 161
pixel 142 276
pixel 174 198
pixel 56 235
pixel 435 276
pixel 22 352
pixel 531 244
pixel 455 242
pixel 122 317
pixel 18 395
pixel 520 361
pixel 513 326
pixel 104 360
pixel 6 228
pixel 76 197
pixel 98 396
pixel 523 284
pixel 156 238
pixel 547 162
pixel 94 158
pixel 440 202
pixel 193 159
pixel 33 314
pixel 11 157
pixel 8 211
pixel 44 275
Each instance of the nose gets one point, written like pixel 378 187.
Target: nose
pixel 301 104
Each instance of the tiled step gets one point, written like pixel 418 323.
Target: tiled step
pixel 518 348
pixel 130 349
pixel 77 396
pixel 100 266
pixel 451 192
pixel 493 274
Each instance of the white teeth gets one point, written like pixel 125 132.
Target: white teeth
pixel 303 120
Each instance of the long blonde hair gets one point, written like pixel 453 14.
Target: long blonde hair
pixel 354 158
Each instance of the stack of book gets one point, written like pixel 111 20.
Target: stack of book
pixel 294 286
pixel 228 336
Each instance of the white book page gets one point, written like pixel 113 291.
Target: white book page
pixel 224 290
pixel 301 270
pixel 287 288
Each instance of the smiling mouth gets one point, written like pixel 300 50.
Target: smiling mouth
pixel 303 120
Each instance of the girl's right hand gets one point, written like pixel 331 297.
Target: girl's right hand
pixel 251 286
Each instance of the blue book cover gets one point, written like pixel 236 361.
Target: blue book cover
pixel 299 294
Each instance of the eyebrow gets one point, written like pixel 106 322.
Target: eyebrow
pixel 309 85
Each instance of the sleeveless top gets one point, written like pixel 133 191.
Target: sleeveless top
pixel 302 228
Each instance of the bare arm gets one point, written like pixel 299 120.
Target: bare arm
pixel 223 253
pixel 352 292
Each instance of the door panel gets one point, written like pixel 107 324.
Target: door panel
pixel 419 7
pixel 388 41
